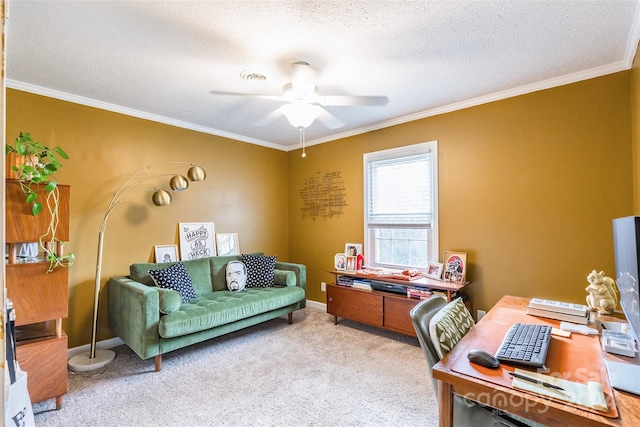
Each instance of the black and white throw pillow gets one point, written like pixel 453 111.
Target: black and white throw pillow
pixel 236 276
pixel 176 278
pixel 260 270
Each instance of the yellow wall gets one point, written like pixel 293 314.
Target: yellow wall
pixel 245 191
pixel 528 187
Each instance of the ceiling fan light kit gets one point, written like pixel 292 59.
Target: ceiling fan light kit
pixel 300 113
pixel 303 101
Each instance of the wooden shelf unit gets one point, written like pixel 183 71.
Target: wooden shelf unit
pixel 384 310
pixel 40 299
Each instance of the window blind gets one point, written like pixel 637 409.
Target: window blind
pixel 399 190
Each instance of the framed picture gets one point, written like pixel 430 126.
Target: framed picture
pixel 355 249
pixel 227 244
pixel 455 266
pixel 340 261
pixel 434 270
pixel 351 263
pixel 166 253
pixel 196 240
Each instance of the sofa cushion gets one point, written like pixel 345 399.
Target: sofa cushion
pixel 260 270
pixel 170 300
pixel 222 307
pixel 218 270
pixel 198 269
pixel 176 278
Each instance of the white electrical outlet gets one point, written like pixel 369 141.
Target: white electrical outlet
pixel 323 286
pixel 480 314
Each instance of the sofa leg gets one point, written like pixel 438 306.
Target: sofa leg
pixel 158 360
pixel 290 318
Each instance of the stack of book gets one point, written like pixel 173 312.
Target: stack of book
pixel 362 284
pixel 565 311
pixel 345 281
pixel 419 293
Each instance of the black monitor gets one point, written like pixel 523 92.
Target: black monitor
pixel 626 246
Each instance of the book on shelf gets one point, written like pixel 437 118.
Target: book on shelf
pixel 590 395
pixel 559 306
pixel 419 293
pixel 582 320
pixel 344 281
pixel 361 285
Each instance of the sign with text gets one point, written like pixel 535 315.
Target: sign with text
pixel 196 240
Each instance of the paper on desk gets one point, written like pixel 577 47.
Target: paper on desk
pixel 589 395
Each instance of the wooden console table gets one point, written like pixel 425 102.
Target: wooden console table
pixel 384 310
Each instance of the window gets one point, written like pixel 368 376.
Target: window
pixel 401 206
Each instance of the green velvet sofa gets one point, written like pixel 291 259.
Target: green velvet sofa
pixel 153 321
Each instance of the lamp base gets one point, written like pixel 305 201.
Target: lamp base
pixel 83 362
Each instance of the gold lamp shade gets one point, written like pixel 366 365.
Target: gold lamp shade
pixel 196 173
pixel 179 183
pixel 161 198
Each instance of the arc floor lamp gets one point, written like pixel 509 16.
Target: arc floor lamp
pixel 95 359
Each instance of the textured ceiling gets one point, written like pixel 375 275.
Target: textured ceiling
pixel 161 60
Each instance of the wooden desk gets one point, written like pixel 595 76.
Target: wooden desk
pixel 511 310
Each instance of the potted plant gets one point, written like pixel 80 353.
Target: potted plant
pixel 35 166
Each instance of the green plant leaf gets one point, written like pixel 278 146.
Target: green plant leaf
pixel 20 148
pixel 51 185
pixel 61 153
pixel 31 197
pixel 50 169
pixel 36 208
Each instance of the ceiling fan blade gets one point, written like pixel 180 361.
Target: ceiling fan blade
pixel 252 95
pixel 270 118
pixel 340 100
pixel 329 120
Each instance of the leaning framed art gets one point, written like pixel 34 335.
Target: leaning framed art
pixel 196 240
pixel 166 253
pixel 455 266
pixel 227 244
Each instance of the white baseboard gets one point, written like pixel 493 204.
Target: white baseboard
pixel 317 305
pixel 115 342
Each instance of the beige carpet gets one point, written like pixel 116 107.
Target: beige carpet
pixel 310 373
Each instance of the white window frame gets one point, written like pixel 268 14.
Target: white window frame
pixel 405 151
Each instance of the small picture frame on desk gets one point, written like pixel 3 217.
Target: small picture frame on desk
pixel 340 262
pixel 351 263
pixel 434 270
pixel 455 267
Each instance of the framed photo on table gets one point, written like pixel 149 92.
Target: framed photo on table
pixel 455 266
pixel 166 253
pixel 340 261
pixel 434 270
pixel 196 240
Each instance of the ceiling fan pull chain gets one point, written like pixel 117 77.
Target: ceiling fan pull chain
pixel 301 129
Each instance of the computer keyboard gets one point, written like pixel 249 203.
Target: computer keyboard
pixel 525 344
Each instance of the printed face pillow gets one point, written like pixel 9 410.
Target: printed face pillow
pixel 175 278
pixel 260 270
pixel 236 276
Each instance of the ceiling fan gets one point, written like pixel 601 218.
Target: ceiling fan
pixel 303 101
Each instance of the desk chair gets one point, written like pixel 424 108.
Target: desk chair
pixel 465 411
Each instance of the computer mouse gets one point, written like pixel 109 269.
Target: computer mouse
pixel 483 358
